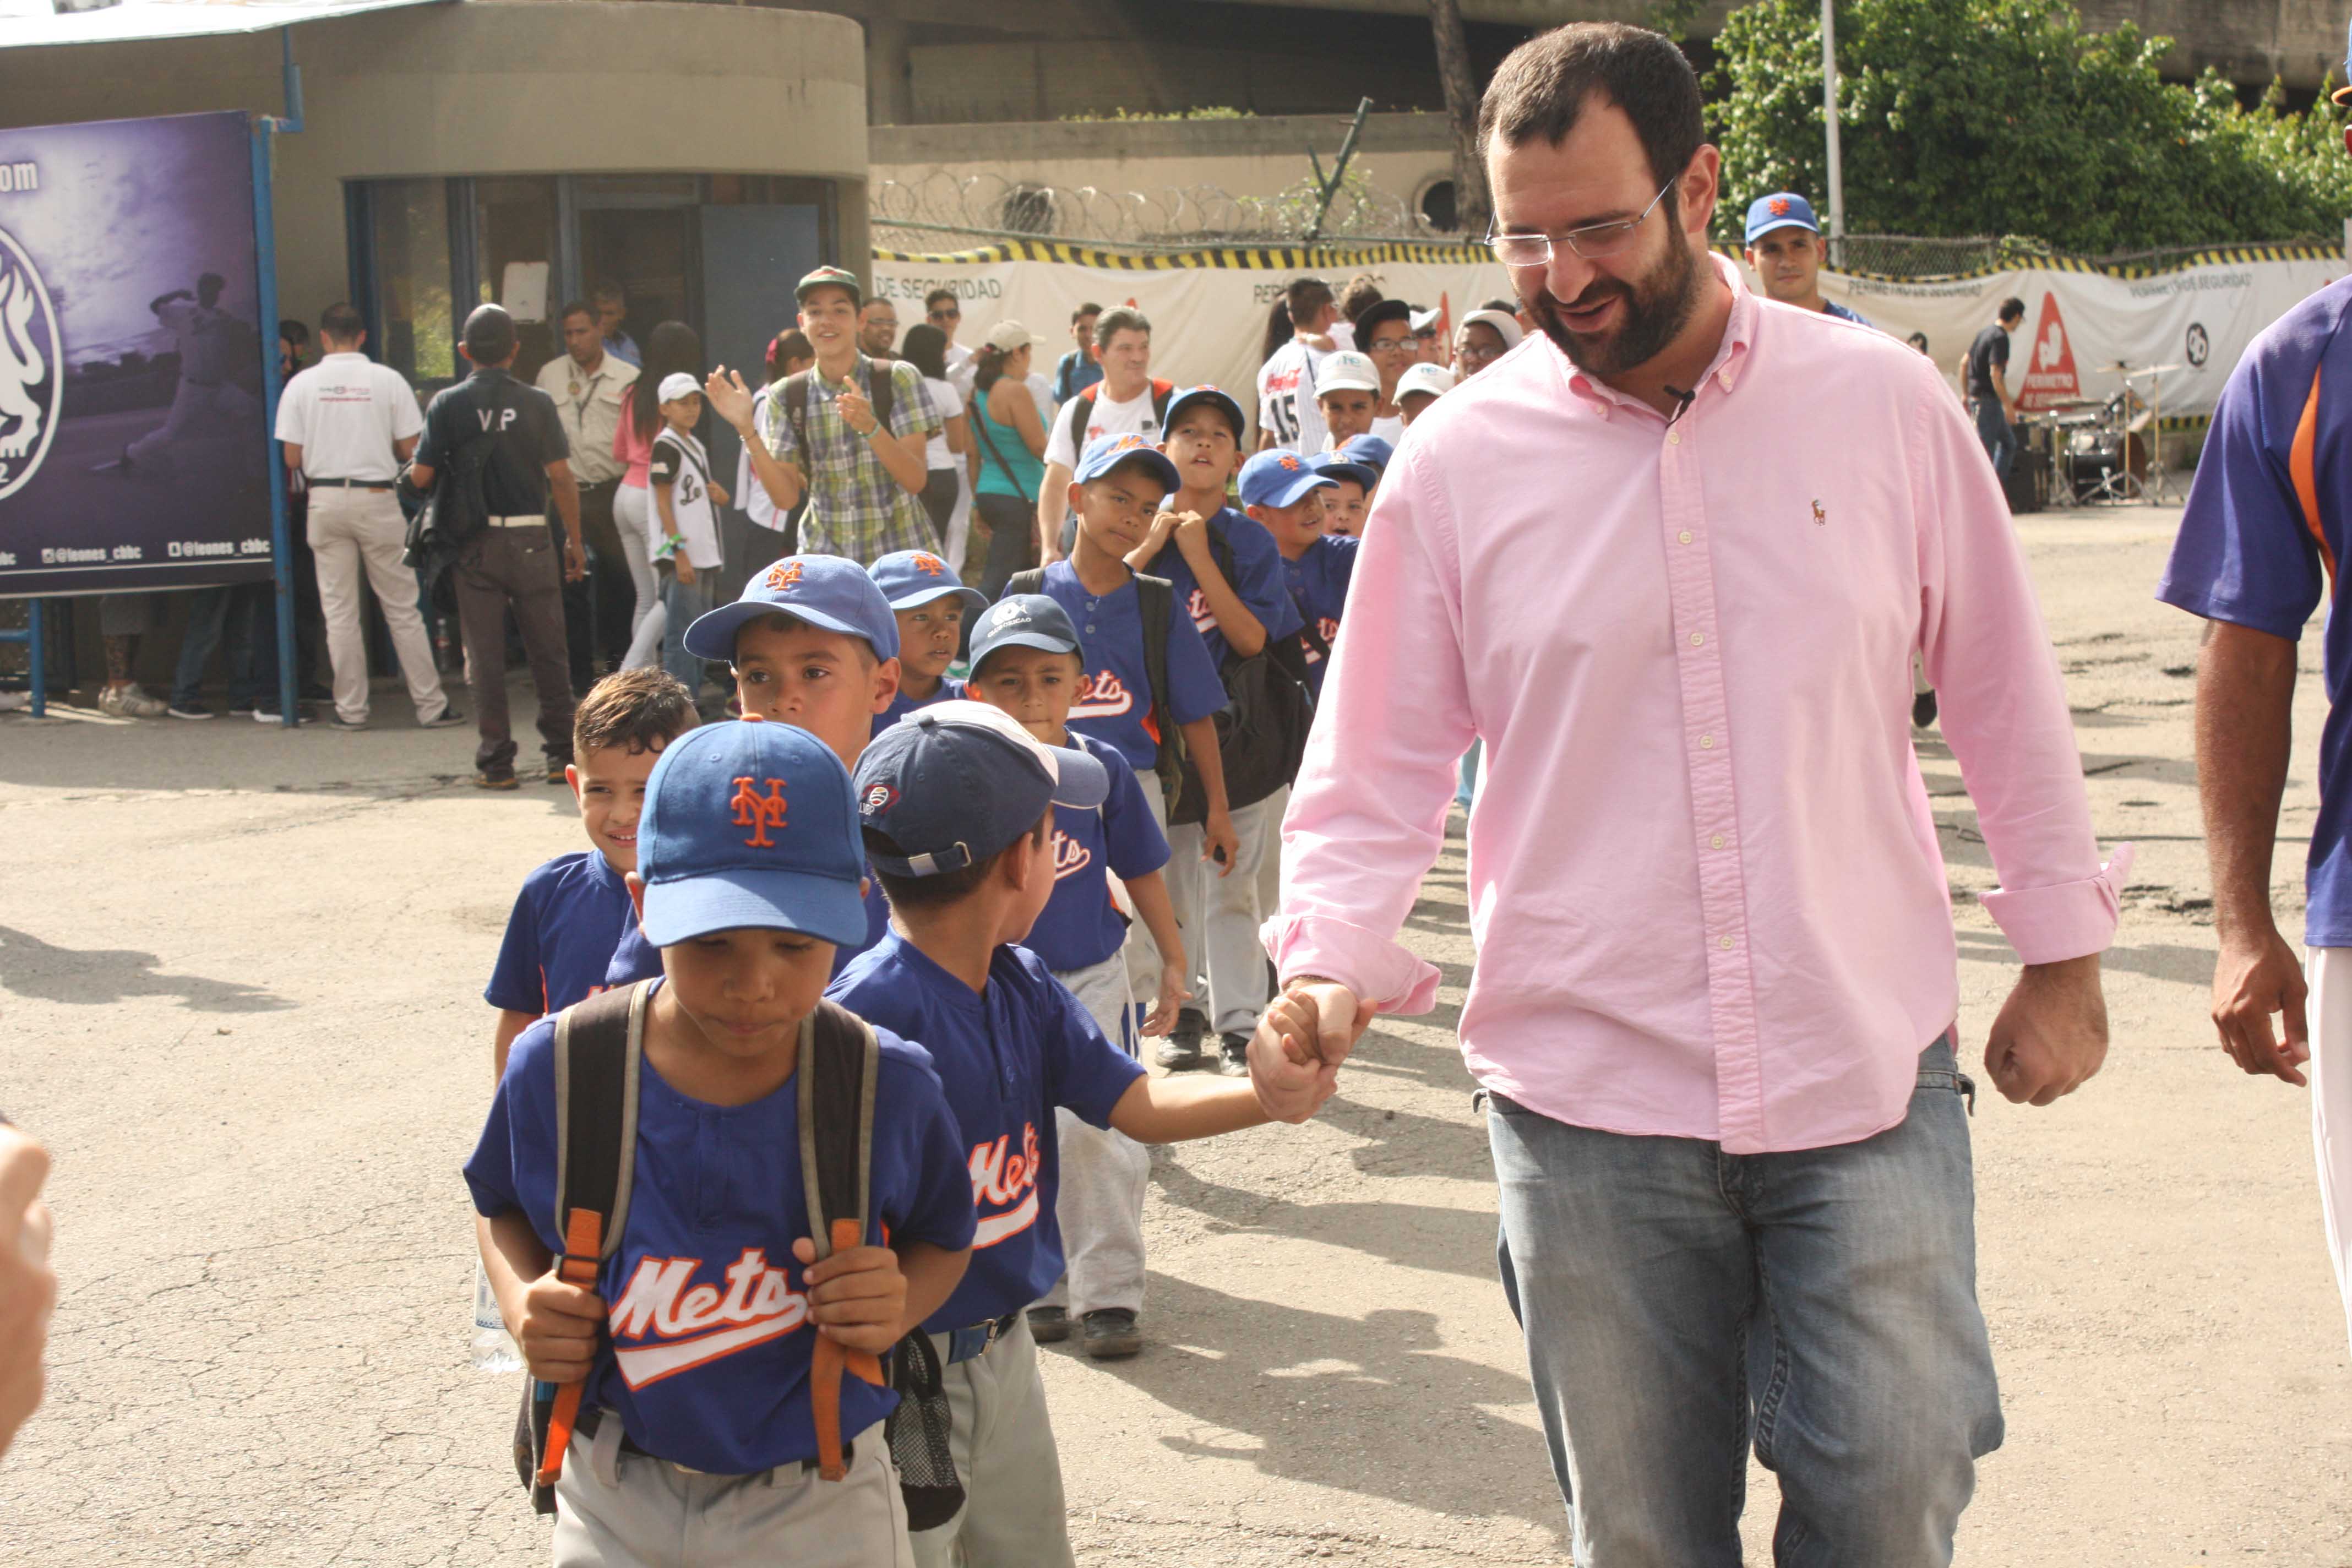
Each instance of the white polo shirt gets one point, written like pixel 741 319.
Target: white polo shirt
pixel 345 412
pixel 1138 416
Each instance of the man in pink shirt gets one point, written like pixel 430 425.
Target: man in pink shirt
pixel 1672 569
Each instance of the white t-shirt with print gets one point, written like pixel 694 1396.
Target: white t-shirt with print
pixel 1136 416
pixel 680 462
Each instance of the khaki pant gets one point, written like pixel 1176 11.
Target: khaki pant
pixel 519 566
pixel 1003 1441
pixel 358 534
pixel 1104 1172
pixel 626 1510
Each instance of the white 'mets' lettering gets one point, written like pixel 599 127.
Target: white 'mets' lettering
pixel 662 1327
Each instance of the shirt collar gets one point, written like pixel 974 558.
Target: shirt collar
pixel 1724 370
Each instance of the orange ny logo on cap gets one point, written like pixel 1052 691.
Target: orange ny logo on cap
pixel 784 575
pixel 930 565
pixel 1127 443
pixel 1777 207
pixel 1290 462
pixel 759 812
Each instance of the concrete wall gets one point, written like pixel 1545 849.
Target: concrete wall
pixel 493 86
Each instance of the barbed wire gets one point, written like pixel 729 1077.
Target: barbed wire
pixel 928 212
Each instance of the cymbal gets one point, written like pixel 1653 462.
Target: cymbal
pixel 2077 403
pixel 2131 373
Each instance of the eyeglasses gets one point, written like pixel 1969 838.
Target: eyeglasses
pixel 947 314
pixel 1592 242
pixel 1392 345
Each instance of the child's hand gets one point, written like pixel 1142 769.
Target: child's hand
pixel 1163 529
pixel 1172 993
pixel 857 1297
pixel 1290 1083
pixel 719 493
pixel 1218 843
pixel 685 569
pixel 1191 528
pixel 558 1331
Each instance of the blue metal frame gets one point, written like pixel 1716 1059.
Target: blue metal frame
pixel 33 645
pixel 266 128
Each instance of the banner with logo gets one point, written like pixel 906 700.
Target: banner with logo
pixel 133 452
pixel 1209 308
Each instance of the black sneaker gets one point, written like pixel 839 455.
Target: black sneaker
pixel 1049 1325
pixel 1110 1332
pixel 555 766
pixel 1181 1052
pixel 1232 1055
pixel 497 778
pixel 1923 711
pixel 447 719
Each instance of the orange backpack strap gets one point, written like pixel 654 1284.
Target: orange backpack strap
pixel 840 1066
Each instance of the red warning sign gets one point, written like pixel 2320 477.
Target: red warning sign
pixel 2050 362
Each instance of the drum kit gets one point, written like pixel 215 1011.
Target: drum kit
pixel 2107 452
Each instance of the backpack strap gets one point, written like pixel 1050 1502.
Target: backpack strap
pixel 1162 394
pixel 840 1064
pixel 881 376
pixel 795 403
pixel 599 1052
pixel 1156 610
pixel 1032 580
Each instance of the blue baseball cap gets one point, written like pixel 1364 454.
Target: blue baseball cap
pixel 1782 209
pixel 1337 466
pixel 1206 394
pixel 912 577
pixel 953 784
pixel 1369 450
pixel 1105 453
pixel 829 591
pixel 1278 478
pixel 749 822
pixel 1022 620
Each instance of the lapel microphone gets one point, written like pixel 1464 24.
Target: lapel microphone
pixel 1683 400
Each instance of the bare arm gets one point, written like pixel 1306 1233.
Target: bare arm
pixel 502 1039
pixel 1220 844
pixel 932 1274
pixel 1149 893
pixel 2001 390
pixel 1052 506
pixel 734 402
pixel 404 449
pixel 567 507
pixel 1010 403
pixel 293 450
pixel 1242 630
pixel 2245 696
pixel 959 434
pixel 554 1323
pixel 1173 1109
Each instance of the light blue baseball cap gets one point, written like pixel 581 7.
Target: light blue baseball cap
pixel 1782 209
pixel 829 591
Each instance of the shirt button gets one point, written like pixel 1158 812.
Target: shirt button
pixel 1706 743
pixel 1724 942
pixel 1673 437
pixel 1716 842
pixel 1699 639
pixel 1685 536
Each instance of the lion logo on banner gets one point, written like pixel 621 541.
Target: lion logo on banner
pixel 27 322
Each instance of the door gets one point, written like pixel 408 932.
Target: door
pixel 752 257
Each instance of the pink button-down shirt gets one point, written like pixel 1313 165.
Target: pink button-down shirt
pixel 1704 877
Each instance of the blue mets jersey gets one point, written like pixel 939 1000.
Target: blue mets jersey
pixel 566 921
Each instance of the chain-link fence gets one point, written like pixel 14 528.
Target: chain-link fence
pixel 945 210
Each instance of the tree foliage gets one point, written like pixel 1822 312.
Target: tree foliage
pixel 1993 117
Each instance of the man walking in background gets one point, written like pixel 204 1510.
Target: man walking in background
pixel 1987 386
pixel 589 387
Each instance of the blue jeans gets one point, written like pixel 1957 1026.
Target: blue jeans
pixel 1679 1301
pixel 683 601
pixel 1995 431
pixel 229 614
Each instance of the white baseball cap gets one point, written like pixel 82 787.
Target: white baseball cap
pixel 1435 380
pixel 1345 370
pixel 1009 337
pixel 1505 324
pixel 1423 320
pixel 678 383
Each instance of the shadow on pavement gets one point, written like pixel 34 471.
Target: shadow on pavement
pixel 32 968
pixel 1412 1236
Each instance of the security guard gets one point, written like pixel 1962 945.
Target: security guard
pixel 512 561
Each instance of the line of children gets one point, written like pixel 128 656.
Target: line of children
pixel 1027 661
pixel 931 606
pixel 958 804
pixel 697 1442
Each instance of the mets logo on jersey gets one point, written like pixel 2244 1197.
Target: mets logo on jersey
pixel 32 371
pixel 1070 857
pixel 664 1324
pixel 783 577
pixel 1203 619
pixel 759 812
pixel 1004 1187
pixel 1101 696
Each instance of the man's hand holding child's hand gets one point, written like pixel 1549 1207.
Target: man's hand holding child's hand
pixel 1289 1088
pixel 558 1331
pixel 857 1298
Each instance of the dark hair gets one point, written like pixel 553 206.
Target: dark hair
pixel 608 290
pixel 1379 312
pixel 489 335
pixel 640 710
pixel 945 888
pixel 1543 89
pixel 926 348
pixel 1360 296
pixel 783 621
pixel 2010 307
pixel 339 322
pixel 209 287
pixel 936 295
pixel 1120 319
pixel 1082 312
pixel 295 331
pixel 1508 307
pixel 1306 295
pixel 669 348
pixel 790 344
pixel 988 366
pixel 576 308
pixel 1279 327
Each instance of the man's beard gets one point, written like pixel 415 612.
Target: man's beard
pixel 1657 306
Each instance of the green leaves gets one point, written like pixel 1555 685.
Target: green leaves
pixel 1993 117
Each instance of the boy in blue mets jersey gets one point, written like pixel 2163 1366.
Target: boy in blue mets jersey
pixel 958 804
pixel 1317 564
pixel 697 1439
pixel 1026 660
pixel 931 604
pixel 571 910
pixel 813 643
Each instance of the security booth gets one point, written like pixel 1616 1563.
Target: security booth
pixel 416 158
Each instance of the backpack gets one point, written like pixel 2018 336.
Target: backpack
pixel 1162 394
pixel 1262 731
pixel 1156 610
pixel 599 1056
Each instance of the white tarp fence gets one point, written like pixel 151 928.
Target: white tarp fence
pixel 1209 319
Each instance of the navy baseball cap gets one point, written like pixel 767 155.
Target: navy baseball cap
pixel 1022 620
pixel 1338 466
pixel 953 784
pixel 1279 477
pixel 1782 209
pixel 1369 450
pixel 912 577
pixel 1105 453
pixel 829 591
pixel 749 822
pixel 1206 394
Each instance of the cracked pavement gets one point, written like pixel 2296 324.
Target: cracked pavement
pixel 240 977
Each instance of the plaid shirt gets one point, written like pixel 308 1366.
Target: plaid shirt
pixel 855 509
